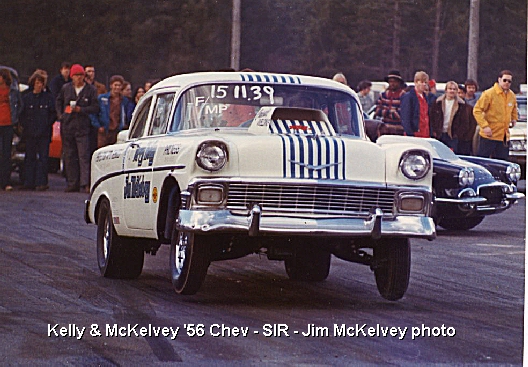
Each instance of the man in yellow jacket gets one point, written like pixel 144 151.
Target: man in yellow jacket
pixel 496 112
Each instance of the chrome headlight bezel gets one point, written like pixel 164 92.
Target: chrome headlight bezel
pixel 415 164
pixel 466 177
pixel 513 172
pixel 212 155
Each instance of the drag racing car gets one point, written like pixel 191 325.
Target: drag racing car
pixel 223 165
pixel 466 188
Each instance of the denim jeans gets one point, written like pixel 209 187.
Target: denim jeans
pixel 493 149
pixel 36 161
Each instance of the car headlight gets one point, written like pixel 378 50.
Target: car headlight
pixel 466 177
pixel 513 172
pixel 212 155
pixel 415 164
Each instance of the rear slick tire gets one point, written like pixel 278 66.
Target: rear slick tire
pixel 308 263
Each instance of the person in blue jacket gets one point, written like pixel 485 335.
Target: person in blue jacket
pixel 36 119
pixel 414 110
pixel 115 113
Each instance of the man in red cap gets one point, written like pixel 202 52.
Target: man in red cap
pixel 75 102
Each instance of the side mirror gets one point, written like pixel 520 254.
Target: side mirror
pixel 122 136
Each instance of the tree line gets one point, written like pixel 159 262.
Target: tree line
pixel 363 39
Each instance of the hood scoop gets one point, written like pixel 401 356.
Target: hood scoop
pixel 291 121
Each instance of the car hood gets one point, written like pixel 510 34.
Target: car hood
pixel 452 167
pixel 298 156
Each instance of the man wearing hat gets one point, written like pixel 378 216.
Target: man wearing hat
pixel 75 102
pixel 388 104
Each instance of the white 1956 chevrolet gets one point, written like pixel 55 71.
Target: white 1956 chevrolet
pixel 223 165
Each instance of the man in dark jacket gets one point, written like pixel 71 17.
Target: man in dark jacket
pixel 36 120
pixel 59 80
pixel 452 122
pixel 414 108
pixel 75 102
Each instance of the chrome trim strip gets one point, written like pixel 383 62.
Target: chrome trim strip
pixel 466 200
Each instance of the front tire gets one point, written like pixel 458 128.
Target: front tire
pixel 189 261
pixel 393 267
pixel 308 263
pixel 117 257
pixel 460 224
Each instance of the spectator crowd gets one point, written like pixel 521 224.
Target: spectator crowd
pixel 457 118
pixel 91 117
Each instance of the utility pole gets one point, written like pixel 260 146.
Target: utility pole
pixel 235 36
pixel 473 39
pixel 396 28
pixel 436 39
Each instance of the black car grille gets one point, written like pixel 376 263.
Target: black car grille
pixel 320 199
pixel 494 194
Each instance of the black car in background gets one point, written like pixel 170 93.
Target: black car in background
pixel 466 188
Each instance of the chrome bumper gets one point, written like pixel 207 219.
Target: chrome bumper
pixel 464 200
pixel 258 223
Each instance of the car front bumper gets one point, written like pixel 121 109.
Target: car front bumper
pixel 475 204
pixel 258 223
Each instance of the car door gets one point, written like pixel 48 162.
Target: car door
pixel 137 167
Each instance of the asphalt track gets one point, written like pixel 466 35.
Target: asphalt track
pixel 464 305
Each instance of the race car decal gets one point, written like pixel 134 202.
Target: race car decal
pixel 172 149
pixel 136 187
pixel 143 154
pixel 107 155
pixel 271 78
pixel 310 153
pixel 155 194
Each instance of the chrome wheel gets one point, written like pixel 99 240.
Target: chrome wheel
pixel 117 257
pixel 181 248
pixel 107 237
pixel 189 260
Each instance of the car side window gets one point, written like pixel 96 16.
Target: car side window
pixel 138 126
pixel 343 117
pixel 160 118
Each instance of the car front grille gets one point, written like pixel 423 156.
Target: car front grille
pixel 316 200
pixel 494 194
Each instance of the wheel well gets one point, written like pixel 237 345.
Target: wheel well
pixel 169 203
pixel 96 212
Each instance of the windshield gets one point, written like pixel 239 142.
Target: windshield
pixel 440 150
pixel 235 105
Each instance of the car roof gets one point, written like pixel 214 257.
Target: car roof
pixel 248 77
